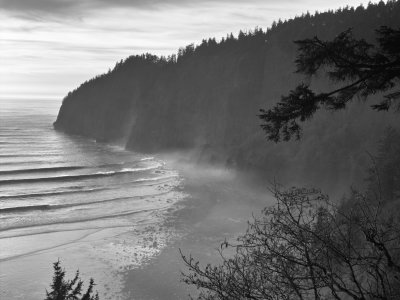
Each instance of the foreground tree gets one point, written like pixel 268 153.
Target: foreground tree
pixel 363 69
pixel 62 289
pixel 305 247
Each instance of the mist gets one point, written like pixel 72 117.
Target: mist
pixel 199 149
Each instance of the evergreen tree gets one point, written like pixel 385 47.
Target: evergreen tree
pixel 62 289
pixel 363 68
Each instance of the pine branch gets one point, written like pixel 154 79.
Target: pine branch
pixel 367 69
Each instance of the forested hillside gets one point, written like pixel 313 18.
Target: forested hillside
pixel 207 97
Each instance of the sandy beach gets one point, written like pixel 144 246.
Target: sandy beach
pixel 136 256
pixel 103 249
pixel 219 204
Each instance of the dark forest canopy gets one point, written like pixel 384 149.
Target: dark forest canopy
pixel 206 98
pixel 258 36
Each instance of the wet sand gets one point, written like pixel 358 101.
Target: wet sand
pixel 139 261
pixel 219 206
pixel 103 249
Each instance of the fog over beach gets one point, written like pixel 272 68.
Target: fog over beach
pixel 220 149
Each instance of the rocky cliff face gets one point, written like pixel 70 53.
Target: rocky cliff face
pixel 208 97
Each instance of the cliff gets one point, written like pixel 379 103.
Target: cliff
pixel 207 98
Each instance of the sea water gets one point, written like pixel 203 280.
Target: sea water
pixel 94 206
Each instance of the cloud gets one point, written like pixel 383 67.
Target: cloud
pixel 71 7
pixel 38 5
pixel 42 10
pixel 37 9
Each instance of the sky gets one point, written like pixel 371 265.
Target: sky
pixel 49 47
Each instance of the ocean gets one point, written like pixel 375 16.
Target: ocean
pixel 94 206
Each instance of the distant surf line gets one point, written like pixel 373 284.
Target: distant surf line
pixel 65 178
pixel 77 204
pixel 92 190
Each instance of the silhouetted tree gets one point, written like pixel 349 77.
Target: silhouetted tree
pixel 365 69
pixel 62 289
pixel 305 247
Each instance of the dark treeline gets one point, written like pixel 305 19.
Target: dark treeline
pixel 207 98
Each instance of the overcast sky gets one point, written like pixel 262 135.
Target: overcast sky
pixel 48 47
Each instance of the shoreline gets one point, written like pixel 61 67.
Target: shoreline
pixel 207 204
pixel 219 205
pixel 103 249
